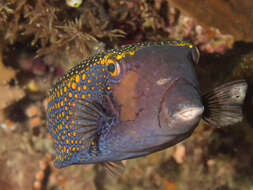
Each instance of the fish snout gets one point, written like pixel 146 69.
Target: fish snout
pixel 180 108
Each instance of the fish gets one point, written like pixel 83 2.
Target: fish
pixel 132 101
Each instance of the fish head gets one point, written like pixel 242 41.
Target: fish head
pixel 163 81
pixel 159 100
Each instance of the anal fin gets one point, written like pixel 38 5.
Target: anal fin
pixel 115 168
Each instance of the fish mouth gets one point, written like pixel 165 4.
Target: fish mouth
pixel 185 108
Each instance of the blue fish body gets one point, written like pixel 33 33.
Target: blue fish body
pixel 130 102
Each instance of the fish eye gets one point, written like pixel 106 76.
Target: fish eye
pixel 111 67
pixel 114 69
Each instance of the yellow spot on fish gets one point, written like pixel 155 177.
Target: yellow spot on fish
pixel 73 86
pixel 70 94
pixel 109 61
pixel 84 87
pixel 77 78
pixel 131 52
pixel 83 76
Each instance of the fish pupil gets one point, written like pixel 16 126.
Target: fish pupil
pixel 111 67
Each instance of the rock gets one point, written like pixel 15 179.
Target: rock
pixel 231 17
pixel 179 154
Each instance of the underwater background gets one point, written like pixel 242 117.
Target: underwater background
pixel 42 39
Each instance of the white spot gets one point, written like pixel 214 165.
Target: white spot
pixel 180 153
pixel 162 81
pixel 190 113
pixel 74 3
pixel 239 93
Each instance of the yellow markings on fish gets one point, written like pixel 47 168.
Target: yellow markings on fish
pixel 77 78
pixel 109 61
pixel 73 86
pixel 79 89
pixel 70 95
pixel 83 76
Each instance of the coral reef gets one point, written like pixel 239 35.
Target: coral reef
pixel 228 16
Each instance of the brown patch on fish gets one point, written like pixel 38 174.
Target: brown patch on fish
pixel 125 94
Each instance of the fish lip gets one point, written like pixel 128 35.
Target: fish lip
pixel 172 84
pixel 198 111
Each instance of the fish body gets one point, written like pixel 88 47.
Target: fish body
pixel 132 101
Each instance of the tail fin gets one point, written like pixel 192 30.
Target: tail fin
pixel 223 104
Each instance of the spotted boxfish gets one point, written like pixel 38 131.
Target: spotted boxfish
pixel 132 101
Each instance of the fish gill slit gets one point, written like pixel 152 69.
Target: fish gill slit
pixel 172 84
